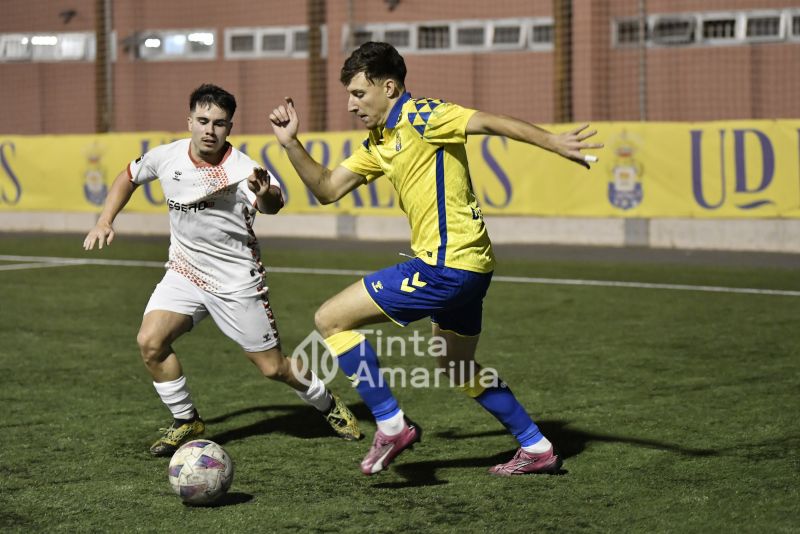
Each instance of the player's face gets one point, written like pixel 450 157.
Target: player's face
pixel 368 101
pixel 210 126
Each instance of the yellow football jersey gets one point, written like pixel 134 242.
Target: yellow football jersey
pixel 421 150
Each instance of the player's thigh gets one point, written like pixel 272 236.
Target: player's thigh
pixel 245 318
pixel 161 327
pixel 458 348
pixel 350 308
pixel 411 290
pixel 175 306
pixel 463 316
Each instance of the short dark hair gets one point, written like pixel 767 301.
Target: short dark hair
pixel 208 94
pixel 378 61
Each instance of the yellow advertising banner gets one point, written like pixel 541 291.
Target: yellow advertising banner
pixel 729 169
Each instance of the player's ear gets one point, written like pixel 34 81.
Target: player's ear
pixel 189 122
pixel 390 88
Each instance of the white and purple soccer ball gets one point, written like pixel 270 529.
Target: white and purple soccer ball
pixel 200 472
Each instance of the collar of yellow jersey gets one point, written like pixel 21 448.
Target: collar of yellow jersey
pixel 395 115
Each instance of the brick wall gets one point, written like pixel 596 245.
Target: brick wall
pixel 683 83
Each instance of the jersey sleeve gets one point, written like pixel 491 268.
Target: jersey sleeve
pixel 144 168
pixel 447 123
pixel 364 162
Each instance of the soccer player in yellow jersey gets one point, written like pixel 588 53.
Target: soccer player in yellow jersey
pixel 418 144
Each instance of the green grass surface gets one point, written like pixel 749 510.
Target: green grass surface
pixel 675 411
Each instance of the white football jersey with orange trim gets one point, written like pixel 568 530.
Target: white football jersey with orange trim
pixel 211 215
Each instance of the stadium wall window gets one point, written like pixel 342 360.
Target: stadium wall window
pixel 300 41
pixel 274 43
pixel 507 35
pixel 469 35
pixel 430 37
pixel 794 25
pixel 47 47
pixel 764 26
pixel 398 37
pixel 363 36
pixel 15 47
pixel 720 28
pixel 241 43
pixel 710 29
pixel 171 45
pixel 270 41
pixel 673 29
pixel 626 32
pixel 541 35
pixel 463 36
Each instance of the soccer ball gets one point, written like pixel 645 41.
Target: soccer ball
pixel 200 472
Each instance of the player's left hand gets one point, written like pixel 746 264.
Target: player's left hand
pixel 258 182
pixel 569 145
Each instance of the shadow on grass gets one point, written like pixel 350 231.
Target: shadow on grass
pixel 568 441
pixel 306 423
pixel 418 474
pixel 300 421
pixel 229 499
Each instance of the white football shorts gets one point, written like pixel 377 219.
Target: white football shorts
pixel 248 321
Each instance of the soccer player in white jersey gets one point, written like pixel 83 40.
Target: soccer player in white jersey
pixel 213 192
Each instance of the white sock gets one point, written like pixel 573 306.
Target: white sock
pixel 317 394
pixel 543 445
pixel 394 425
pixel 175 395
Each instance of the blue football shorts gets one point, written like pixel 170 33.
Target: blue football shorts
pixel 409 291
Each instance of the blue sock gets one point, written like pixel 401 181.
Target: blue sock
pixel 499 401
pixel 359 362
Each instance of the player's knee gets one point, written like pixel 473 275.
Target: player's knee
pixel 274 370
pixel 151 347
pixel 272 364
pixel 324 321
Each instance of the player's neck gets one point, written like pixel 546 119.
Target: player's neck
pixel 389 107
pixel 211 159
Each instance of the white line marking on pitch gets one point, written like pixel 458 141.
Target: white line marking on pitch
pixel 33 262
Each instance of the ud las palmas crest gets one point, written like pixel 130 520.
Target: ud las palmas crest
pixel 95 188
pixel 625 189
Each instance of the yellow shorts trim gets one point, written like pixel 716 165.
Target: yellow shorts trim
pixel 344 341
pixel 453 331
pixel 474 388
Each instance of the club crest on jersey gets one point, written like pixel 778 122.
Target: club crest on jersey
pixel 397 143
pixel 625 188
pixel 176 177
pixel 213 186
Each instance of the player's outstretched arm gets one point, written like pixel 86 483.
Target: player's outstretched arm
pixel 328 186
pixel 119 194
pixel 567 144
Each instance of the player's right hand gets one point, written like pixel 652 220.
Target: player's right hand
pixel 284 121
pixel 102 234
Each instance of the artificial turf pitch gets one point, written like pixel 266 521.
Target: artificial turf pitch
pixel 674 410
